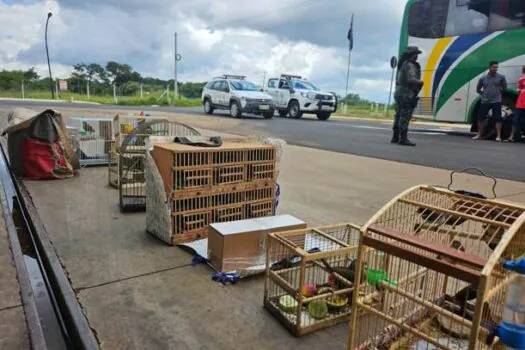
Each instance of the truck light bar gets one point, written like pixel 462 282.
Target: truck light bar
pixel 289 76
pixel 233 76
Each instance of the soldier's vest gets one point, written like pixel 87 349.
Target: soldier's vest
pixel 403 88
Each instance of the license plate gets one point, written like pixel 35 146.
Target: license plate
pixel 264 107
pixel 326 108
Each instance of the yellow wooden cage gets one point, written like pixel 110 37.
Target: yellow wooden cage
pixel 434 257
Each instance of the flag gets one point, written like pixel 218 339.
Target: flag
pixel 350 35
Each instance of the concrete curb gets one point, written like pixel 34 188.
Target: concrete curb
pixel 439 125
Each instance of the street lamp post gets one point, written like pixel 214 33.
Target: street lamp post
pixel 48 63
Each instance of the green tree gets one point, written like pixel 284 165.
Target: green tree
pixel 121 73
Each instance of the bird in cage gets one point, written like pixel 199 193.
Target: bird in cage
pixel 291 261
pixel 463 296
pixel 346 272
pixel 432 217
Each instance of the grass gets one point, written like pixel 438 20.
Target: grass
pixel 356 111
pixel 152 99
pixel 365 112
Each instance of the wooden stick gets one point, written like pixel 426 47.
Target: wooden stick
pixel 300 297
pixel 357 287
pixel 508 280
pixel 478 314
pixel 455 233
pixel 455 213
pixel 443 250
pixel 323 255
pixel 324 296
pixel 403 326
pixel 427 304
pixel 282 283
pixel 327 236
pixel 461 272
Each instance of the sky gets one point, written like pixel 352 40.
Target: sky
pixel 248 37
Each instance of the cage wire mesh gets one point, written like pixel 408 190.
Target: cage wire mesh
pixel 131 153
pixel 91 138
pixel 310 276
pixel 434 257
pixel 122 126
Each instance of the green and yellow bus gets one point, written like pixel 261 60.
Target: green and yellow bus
pixel 458 39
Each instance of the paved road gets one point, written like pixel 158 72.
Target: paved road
pixel 438 148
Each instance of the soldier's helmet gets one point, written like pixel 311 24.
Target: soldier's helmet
pixel 413 50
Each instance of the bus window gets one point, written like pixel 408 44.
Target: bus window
pixel 464 17
pixel 506 14
pixel 428 18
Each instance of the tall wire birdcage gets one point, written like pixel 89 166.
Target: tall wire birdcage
pixel 122 126
pixel 131 177
pixel 434 257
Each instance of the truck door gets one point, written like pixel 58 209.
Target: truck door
pixel 284 93
pixel 272 90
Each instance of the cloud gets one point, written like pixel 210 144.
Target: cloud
pixel 306 37
pixel 379 85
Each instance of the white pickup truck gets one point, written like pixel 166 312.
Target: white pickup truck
pixel 293 95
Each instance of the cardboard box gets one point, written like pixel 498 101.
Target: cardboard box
pixel 242 244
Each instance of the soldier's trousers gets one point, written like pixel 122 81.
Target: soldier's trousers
pixel 404 112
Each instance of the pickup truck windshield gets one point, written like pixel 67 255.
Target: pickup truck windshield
pixel 303 85
pixel 243 86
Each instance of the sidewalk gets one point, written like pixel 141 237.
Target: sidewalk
pixel 13 327
pixel 138 293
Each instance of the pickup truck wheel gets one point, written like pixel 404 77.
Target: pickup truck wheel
pixel 235 110
pixel 283 114
pixel 294 110
pixel 323 115
pixel 208 108
pixel 268 115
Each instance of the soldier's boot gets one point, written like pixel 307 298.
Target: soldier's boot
pixel 395 136
pixel 404 141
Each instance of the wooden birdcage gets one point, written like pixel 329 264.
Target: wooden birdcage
pixel 206 185
pixel 310 275
pixel 131 179
pixel 434 257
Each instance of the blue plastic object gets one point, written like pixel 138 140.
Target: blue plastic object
pixel 517 266
pixel 511 331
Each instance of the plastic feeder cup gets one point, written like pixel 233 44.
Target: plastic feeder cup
pixel 375 277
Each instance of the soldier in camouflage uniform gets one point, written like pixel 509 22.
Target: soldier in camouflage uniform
pixel 408 85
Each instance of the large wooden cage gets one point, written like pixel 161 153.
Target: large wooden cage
pixel 205 185
pixel 131 178
pixel 435 259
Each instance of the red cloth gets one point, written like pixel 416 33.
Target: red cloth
pixel 521 99
pixel 43 160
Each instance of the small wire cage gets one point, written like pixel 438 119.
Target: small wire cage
pixel 434 259
pixel 92 139
pixel 310 275
pixel 131 177
pixel 122 126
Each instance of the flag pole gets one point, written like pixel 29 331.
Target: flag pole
pixel 348 72
pixel 351 46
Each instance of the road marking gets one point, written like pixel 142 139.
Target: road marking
pixel 413 131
